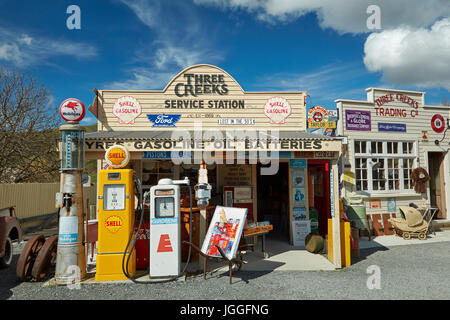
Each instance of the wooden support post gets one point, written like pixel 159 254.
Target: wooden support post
pixel 336 219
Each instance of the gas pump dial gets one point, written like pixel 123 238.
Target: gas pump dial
pixel 164 207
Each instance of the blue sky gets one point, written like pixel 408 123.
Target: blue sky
pixel 323 47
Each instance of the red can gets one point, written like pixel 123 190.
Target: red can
pixel 142 245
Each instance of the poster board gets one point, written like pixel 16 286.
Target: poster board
pixel 300 229
pixel 225 230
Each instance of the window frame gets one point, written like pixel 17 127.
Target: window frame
pixel 369 155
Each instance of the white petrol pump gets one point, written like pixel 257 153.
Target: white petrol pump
pixel 165 225
pixel 165 233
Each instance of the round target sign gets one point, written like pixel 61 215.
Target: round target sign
pixel 438 123
pixel 72 110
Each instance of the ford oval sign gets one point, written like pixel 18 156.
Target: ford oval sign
pixel 163 120
pixel 72 110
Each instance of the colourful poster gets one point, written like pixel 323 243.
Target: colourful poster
pixel 298 197
pixel 299 213
pixel 298 178
pixel 225 231
pixel 300 229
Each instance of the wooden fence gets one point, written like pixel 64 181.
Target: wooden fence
pixel 37 199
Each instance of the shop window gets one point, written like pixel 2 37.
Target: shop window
pixel 153 171
pixel 383 166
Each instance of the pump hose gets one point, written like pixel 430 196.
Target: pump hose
pixel 140 208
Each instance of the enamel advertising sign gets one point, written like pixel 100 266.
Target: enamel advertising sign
pixel 72 110
pixel 438 123
pixel 127 109
pixel 358 120
pixel 277 109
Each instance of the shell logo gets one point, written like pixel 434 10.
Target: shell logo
pixel 117 156
pixel 113 223
pixel 127 109
pixel 277 109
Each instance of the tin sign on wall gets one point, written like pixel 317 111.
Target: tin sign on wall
pixel 72 110
pixel 127 109
pixel 277 109
pixel 358 120
pixel 391 127
pixel 438 123
pixel 163 120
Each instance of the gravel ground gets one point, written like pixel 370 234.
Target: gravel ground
pixel 407 272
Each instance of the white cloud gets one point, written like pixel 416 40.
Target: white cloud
pixel 24 50
pixel 419 57
pixel 179 41
pixel 142 79
pixel 321 84
pixel 349 16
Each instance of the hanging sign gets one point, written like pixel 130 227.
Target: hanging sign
pixel 277 109
pixel 72 110
pixel 127 109
pixel 438 123
pixel 117 156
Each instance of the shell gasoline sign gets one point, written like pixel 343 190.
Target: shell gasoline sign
pixel 117 156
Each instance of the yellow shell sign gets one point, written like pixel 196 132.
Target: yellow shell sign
pixel 113 223
pixel 117 156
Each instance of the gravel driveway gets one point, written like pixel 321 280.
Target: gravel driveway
pixel 406 272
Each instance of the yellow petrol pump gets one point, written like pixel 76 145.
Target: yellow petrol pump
pixel 116 216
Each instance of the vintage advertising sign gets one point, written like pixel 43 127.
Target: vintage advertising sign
pixel 225 231
pixel 358 120
pixel 277 109
pixel 299 213
pixel 317 114
pixel 163 120
pixel 375 204
pixel 438 123
pixel 318 117
pixel 391 127
pixel 72 110
pixel 300 229
pixel 117 156
pixel 297 163
pixel 127 109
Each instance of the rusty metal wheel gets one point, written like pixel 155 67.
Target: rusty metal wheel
pixel 45 259
pixel 28 256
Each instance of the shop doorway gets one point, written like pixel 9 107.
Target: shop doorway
pixel 437 183
pixel 319 192
pixel 273 200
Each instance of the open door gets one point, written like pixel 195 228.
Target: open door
pixel 319 191
pixel 437 183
